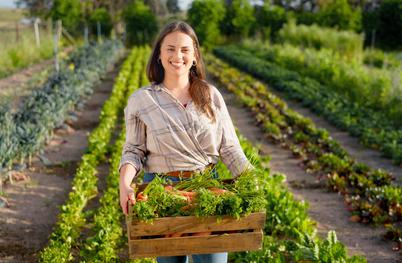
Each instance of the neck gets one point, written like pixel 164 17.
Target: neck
pixel 176 83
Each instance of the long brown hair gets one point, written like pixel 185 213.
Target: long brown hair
pixel 199 87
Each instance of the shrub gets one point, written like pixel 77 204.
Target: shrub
pixel 239 19
pixel 339 14
pixel 141 24
pixel 102 16
pixel 271 19
pixel 69 12
pixel 204 16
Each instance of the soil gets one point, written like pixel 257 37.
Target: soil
pixel 326 208
pixel 34 202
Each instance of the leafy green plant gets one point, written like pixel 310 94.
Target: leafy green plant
pixel 320 153
pixel 71 218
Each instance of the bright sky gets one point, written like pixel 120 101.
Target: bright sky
pixel 7 3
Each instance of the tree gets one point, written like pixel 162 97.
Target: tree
pixel 239 18
pixel 68 11
pixel 158 7
pixel 338 13
pixel 271 19
pixel 141 24
pixel 101 16
pixel 204 16
pixel 39 8
pixel 173 6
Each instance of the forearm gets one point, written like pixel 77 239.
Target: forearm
pixel 127 174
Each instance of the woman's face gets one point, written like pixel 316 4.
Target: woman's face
pixel 177 54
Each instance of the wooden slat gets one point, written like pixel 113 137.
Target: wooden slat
pixel 192 224
pixel 196 245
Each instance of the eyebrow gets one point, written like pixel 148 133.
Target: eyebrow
pixel 175 46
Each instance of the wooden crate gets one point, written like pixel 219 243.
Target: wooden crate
pixel 228 235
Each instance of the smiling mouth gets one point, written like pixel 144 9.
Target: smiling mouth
pixel 177 64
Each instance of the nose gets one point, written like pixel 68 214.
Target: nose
pixel 178 55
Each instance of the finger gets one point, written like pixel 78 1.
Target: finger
pixel 126 209
pixel 131 197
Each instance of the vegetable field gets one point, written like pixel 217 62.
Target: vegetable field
pixel 315 97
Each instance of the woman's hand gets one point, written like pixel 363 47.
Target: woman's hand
pixel 126 195
pixel 127 173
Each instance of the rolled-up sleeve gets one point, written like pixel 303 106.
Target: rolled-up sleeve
pixel 135 146
pixel 231 153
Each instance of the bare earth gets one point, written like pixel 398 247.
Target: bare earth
pixel 34 203
pixel 326 208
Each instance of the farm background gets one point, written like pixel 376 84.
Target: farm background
pixel 316 86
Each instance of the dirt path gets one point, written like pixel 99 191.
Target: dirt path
pixel 351 144
pixel 34 203
pixel 326 208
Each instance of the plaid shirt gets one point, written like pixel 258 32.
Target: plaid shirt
pixel 163 136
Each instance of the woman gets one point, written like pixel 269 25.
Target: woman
pixel 179 124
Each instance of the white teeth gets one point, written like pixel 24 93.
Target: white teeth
pixel 176 63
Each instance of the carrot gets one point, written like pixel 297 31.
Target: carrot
pixel 142 197
pixel 174 235
pixel 200 234
pixel 169 188
pixel 217 191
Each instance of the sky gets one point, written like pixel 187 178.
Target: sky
pixel 7 3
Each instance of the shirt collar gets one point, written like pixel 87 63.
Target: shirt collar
pixel 155 86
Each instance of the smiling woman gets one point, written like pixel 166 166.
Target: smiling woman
pixel 179 124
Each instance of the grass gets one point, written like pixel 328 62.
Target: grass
pixel 16 55
pixel 8 15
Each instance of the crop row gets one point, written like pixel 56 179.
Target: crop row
pixel 289 233
pixel 107 233
pixel 84 185
pixel 25 131
pixel 368 192
pixel 348 116
pixel 373 88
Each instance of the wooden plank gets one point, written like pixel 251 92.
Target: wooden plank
pixel 192 224
pixel 196 245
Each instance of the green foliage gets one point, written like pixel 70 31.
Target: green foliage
pixel 71 218
pixel 339 14
pixel 102 16
pixel 243 197
pixel 204 16
pixel 15 56
pixel 69 12
pixel 370 87
pixel 141 23
pixel 107 234
pixel 271 19
pixel 348 43
pixel 374 196
pixel 47 107
pixel 380 59
pixel 239 18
